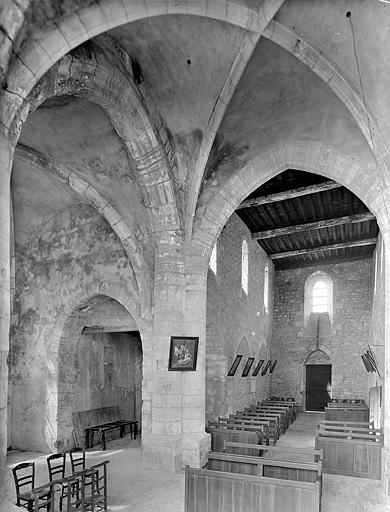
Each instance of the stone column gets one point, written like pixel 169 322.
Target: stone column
pixel 175 434
pixel 6 154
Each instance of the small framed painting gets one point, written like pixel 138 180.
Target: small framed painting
pixel 183 353
pixel 234 366
pixel 257 368
pixel 266 368
pixel 247 367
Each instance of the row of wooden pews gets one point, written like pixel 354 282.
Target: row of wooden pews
pixel 245 473
pixel 259 424
pixel 351 444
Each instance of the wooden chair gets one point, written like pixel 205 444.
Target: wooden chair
pixel 24 477
pixel 56 466
pixel 94 488
pixel 77 459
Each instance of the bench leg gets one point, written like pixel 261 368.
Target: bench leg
pixel 135 430
pixel 103 440
pixel 121 431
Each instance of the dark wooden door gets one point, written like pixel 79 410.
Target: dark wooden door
pixel 318 377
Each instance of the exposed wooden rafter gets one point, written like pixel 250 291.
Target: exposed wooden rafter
pixel 321 224
pixel 312 250
pixel 289 194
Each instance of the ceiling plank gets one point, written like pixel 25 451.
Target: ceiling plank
pixel 313 250
pixel 321 224
pixel 289 194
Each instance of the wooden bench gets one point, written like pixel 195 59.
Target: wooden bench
pixel 281 452
pixel 273 418
pixel 101 421
pixel 344 412
pixel 292 409
pixel 350 430
pixel 281 414
pixel 219 436
pixel 272 427
pixel 261 466
pixel 218 491
pixel 351 453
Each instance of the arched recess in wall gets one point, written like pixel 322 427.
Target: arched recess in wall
pixel 99 365
pixel 317 380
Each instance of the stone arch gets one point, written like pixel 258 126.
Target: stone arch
pixel 66 317
pixel 92 77
pixel 317 356
pixel 312 157
pixel 36 57
pixel 93 387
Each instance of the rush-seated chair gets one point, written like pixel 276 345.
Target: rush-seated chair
pixel 24 478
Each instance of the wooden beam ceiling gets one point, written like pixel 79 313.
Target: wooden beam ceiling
pixel 289 194
pixel 312 250
pixel 321 224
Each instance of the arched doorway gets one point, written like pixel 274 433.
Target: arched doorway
pixel 318 373
pixel 100 365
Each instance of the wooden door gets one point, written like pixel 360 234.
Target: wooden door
pixel 318 377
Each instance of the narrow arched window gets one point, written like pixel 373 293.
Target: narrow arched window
pixel 213 260
pixel 244 266
pixel 266 288
pixel 318 295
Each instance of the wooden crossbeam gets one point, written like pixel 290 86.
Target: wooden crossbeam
pixel 313 250
pixel 321 224
pixel 289 194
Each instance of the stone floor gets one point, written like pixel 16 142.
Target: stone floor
pixel 135 486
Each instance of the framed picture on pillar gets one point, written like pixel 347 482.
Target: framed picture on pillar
pixel 183 353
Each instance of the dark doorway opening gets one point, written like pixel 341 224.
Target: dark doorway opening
pixel 318 380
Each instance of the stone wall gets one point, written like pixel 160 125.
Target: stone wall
pixel 237 323
pixel 344 340
pixel 75 257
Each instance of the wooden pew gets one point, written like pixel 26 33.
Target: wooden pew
pixel 218 491
pixel 101 421
pixel 261 466
pixel 277 417
pixel 351 453
pixel 346 412
pixel 261 429
pixel 290 405
pixel 263 409
pixel 325 429
pixel 275 452
pixel 242 424
pixel 273 427
pixel 219 436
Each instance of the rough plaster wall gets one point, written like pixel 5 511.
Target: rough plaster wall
pixel 352 303
pixel 76 254
pixel 97 370
pixel 233 316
